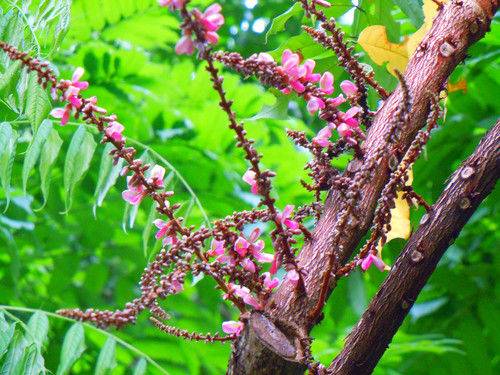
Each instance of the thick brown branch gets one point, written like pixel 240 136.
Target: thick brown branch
pixel 469 185
pixel 458 25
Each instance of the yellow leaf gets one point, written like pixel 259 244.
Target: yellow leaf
pixel 459 86
pixel 373 39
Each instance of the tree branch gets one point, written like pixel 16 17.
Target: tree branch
pixel 458 25
pixel 468 186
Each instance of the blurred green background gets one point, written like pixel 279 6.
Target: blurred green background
pixel 92 255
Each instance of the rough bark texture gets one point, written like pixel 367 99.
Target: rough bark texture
pixel 458 25
pixel 469 185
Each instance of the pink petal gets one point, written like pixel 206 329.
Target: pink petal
pixel 232 327
pixel 249 265
pixel 264 257
pixel 77 74
pixel 212 37
pixel 212 9
pixel 254 235
pixel 293 277
pixel 344 130
pixel 349 88
pixel 326 83
pixel 241 246
pixel 184 46
pixel 323 3
pixel 65 117
pixel 249 177
pixel 337 101
pixel 57 112
pixel 270 283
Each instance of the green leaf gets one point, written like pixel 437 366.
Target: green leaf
pixel 278 110
pixel 106 360
pixel 32 362
pixel 72 348
pixel 146 233
pixel 280 21
pixel 413 9
pixel 12 361
pixel 37 102
pixel 140 367
pixel 9 74
pixel 108 174
pixel 8 142
pixel 50 151
pixel 80 152
pixel 6 333
pixel 34 149
pixel 38 327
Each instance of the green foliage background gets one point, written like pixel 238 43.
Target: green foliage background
pixel 64 242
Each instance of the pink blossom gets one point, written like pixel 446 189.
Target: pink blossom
pixel 349 88
pixel 75 80
pixel 135 192
pixel 184 46
pixel 216 248
pixel 350 116
pixel 232 327
pixel 293 277
pixel 171 4
pixel 270 283
pixel 156 176
pixel 114 131
pixel 309 76
pixel 284 217
pixel 244 293
pixel 62 113
pixel 323 3
pixel 315 104
pixel 264 57
pixel 345 130
pixel 91 106
pixel 212 19
pixel 241 246
pixel 337 100
pixel 249 265
pixel 250 178
pixel 323 137
pixel 326 83
pixel 176 286
pixel 290 66
pixel 163 228
pixel 257 246
pixel 373 259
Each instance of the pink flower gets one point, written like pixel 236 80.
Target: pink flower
pixel 114 131
pixel 244 293
pixel 176 286
pixel 248 265
pixel 256 247
pixel 171 4
pixel 75 80
pixel 184 46
pixel 290 66
pixel 212 19
pixel 91 106
pixel 241 246
pixel 345 130
pixel 337 100
pixel 323 137
pixel 373 259
pixel 62 113
pixel 349 117
pixel 216 248
pixel 315 104
pixel 156 176
pixel 323 3
pixel 270 283
pixel 349 88
pixel 232 327
pixel 135 192
pixel 250 178
pixel 284 217
pixel 309 76
pixel 293 277
pixel 326 83
pixel 264 57
pixel 163 227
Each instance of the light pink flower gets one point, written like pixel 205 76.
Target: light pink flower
pixel 162 226
pixel 241 246
pixel 114 131
pixel 250 178
pixel 373 259
pixel 256 247
pixel 337 100
pixel 270 282
pixel 326 83
pixel 284 217
pixel 212 19
pixel 62 113
pixel 156 176
pixel 244 293
pixel 350 116
pixel 315 104
pixel 293 277
pixel 323 137
pixel 184 46
pixel 91 105
pixel 264 57
pixel 216 248
pixel 135 192
pixel 323 3
pixel 176 286
pixel 232 327
pixel 171 4
pixel 249 265
pixel 345 130
pixel 349 88
pixel 309 76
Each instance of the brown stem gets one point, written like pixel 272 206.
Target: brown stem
pixel 468 186
pixel 458 25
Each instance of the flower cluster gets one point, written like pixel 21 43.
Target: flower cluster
pixel 206 23
pixel 71 90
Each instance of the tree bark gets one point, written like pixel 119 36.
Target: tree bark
pixel 469 185
pixel 458 25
